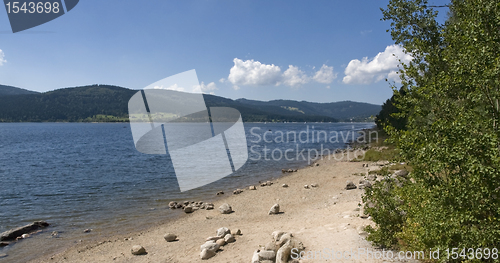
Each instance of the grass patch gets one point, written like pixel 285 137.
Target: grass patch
pixel 373 155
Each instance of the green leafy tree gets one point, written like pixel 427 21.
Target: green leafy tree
pixel 452 135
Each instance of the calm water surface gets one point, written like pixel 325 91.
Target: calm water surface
pixel 78 176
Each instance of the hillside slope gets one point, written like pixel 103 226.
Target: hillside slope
pixel 110 103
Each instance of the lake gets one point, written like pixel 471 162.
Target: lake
pixel 80 176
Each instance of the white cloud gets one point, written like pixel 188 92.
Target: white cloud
pixel 383 65
pixel 325 75
pixel 2 58
pixel 222 80
pixel 294 77
pixel 202 88
pixel 252 72
pixel 328 87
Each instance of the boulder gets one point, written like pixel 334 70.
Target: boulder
pixel 209 206
pixel 210 245
pixel 350 185
pixel 188 209
pixel 170 237
pixel 225 209
pixel 284 239
pixel 277 235
pixel 275 209
pixel 220 193
pixel 229 238
pixel 12 234
pixel 138 250
pixel 267 255
pixel 206 254
pixel 284 253
pixel 271 246
pixel 4 244
pixel 252 187
pixel 237 191
pixel 223 231
pixel 255 257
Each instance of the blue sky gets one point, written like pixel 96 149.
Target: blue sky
pixel 321 51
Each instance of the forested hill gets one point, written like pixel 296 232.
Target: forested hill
pixel 9 90
pixel 110 103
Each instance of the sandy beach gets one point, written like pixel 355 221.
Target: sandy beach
pixel 322 217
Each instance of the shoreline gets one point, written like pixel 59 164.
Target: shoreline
pixel 326 216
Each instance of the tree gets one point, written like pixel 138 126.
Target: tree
pixel 452 135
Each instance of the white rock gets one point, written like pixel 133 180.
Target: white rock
pixel 225 209
pixel 229 238
pixel 223 231
pixel 255 257
pixel 277 235
pixel 210 245
pixel 267 255
pixel 275 209
pixel 284 253
pixel 206 254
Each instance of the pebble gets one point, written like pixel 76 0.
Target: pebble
pixel 285 185
pixel 3 255
pixel 87 230
pixel 220 193
pixel 350 185
pixel 252 187
pixel 170 237
pixel 223 231
pixel 275 209
pixel 237 232
pixel 221 242
pixel 138 250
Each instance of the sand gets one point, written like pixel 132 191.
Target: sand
pixel 326 217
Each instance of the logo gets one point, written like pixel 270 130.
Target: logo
pixel 205 143
pixel 28 14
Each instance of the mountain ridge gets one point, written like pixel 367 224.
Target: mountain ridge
pixel 108 103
